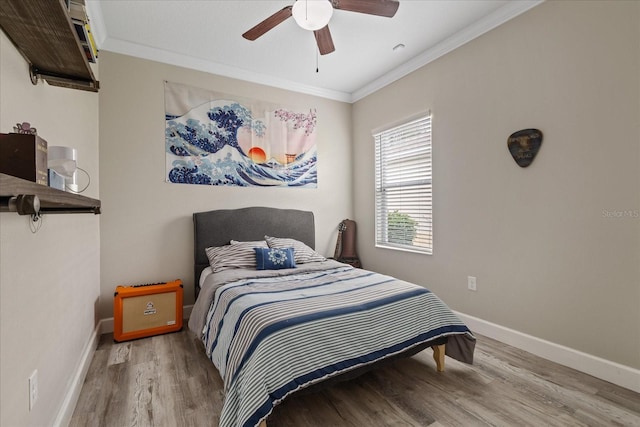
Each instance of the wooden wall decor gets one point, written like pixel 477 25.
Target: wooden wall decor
pixel 524 145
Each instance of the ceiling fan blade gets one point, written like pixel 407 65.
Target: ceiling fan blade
pixel 269 23
pixel 387 8
pixel 324 40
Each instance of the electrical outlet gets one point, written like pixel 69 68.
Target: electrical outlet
pixel 33 389
pixel 471 283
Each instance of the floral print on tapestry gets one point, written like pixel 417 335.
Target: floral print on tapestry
pixel 217 139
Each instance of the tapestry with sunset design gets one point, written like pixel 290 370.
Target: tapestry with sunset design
pixel 217 139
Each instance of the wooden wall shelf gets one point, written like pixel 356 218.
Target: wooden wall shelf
pixel 43 33
pixel 52 200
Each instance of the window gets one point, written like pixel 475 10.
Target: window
pixel 403 187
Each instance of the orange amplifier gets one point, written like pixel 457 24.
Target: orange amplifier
pixel 144 310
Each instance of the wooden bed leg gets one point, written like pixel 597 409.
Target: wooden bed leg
pixel 263 423
pixel 438 356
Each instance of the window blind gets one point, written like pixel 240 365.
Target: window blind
pixel 404 205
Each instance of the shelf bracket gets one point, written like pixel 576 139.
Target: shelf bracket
pixel 23 204
pixel 62 80
pixel 33 75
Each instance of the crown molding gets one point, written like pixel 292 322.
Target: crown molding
pixel 478 28
pixel 180 60
pixel 475 30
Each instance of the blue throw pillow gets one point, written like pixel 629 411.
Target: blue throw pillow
pixel 274 258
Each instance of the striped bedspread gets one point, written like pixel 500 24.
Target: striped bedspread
pixel 270 336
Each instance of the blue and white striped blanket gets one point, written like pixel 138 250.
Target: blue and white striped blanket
pixel 271 336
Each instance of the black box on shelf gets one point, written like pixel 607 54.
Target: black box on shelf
pixel 24 156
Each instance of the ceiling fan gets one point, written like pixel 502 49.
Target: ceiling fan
pixel 314 15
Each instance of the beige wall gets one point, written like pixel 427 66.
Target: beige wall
pixel 548 260
pixel 49 281
pixel 146 225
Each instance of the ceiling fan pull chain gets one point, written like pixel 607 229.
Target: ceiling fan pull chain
pixel 317 67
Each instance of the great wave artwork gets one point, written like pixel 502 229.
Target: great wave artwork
pixel 217 139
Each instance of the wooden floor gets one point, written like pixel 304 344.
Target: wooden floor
pixel 168 381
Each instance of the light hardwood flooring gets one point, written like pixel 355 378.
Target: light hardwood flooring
pixel 168 381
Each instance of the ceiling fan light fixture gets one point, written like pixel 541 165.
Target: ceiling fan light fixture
pixel 312 15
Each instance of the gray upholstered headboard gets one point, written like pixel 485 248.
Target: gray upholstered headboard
pixel 217 228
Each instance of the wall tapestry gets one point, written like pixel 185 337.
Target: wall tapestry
pixel 217 139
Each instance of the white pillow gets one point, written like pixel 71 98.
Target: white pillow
pixel 239 255
pixel 255 243
pixel 301 252
pixel 203 276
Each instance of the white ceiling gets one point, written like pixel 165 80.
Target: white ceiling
pixel 207 35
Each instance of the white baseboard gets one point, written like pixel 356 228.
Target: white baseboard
pixel 186 311
pixel 107 324
pixel 613 372
pixel 75 386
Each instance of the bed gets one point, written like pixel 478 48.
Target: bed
pixel 273 332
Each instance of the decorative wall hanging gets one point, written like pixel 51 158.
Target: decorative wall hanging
pixel 524 145
pixel 217 139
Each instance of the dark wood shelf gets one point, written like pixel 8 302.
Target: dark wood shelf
pixel 43 33
pixel 52 200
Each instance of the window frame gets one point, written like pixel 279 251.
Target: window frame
pixel 409 183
